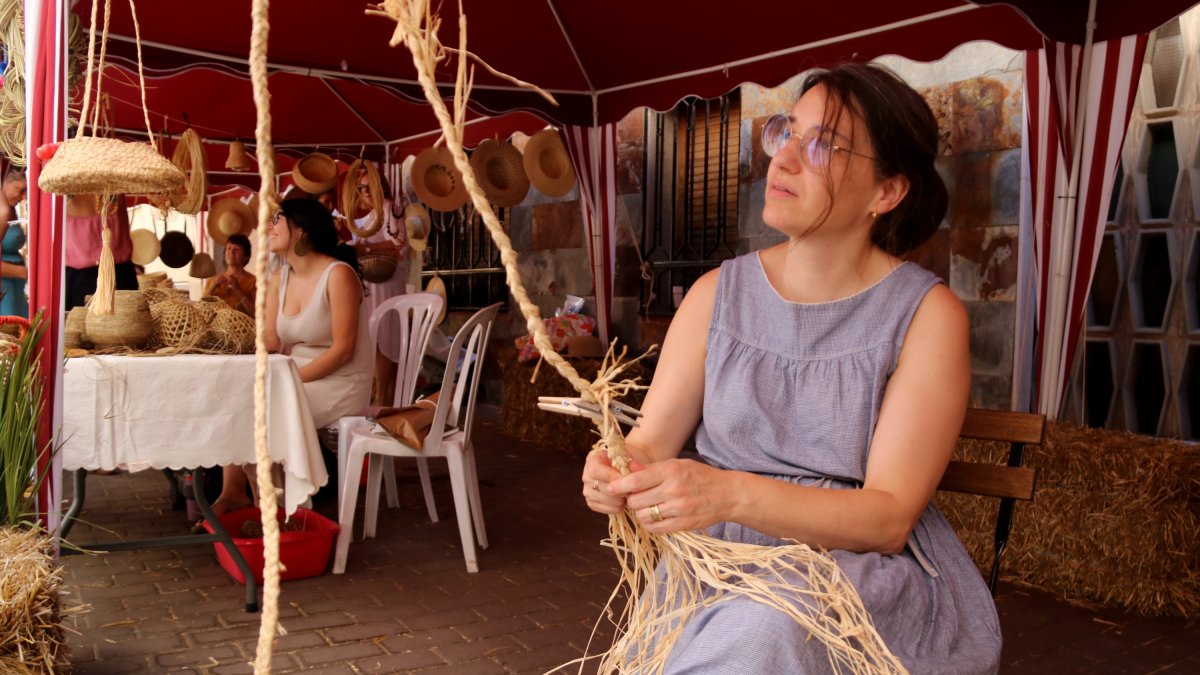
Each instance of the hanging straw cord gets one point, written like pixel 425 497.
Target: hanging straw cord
pixel 189 157
pixel 350 197
pixel 267 203
pixel 699 569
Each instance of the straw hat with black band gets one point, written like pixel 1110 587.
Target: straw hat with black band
pixel 436 181
pixel 227 217
pixel 547 164
pixel 417 225
pixel 499 169
pixel 315 173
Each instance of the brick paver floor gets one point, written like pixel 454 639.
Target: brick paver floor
pixel 407 604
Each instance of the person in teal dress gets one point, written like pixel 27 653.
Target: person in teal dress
pixel 13 272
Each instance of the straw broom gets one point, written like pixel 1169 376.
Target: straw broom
pixel 699 570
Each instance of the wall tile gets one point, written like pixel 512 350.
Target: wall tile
pixel 630 152
pixel 969 179
pixel 983 263
pixel 520 227
pixel 1006 187
pixel 572 271
pixel 557 225
pixel 992 326
pixel 762 102
pixel 537 272
pixel 934 255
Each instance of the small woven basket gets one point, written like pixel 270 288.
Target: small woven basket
pixel 108 166
pixel 130 325
pixel 178 324
pixel 377 267
pixel 75 329
pixel 231 332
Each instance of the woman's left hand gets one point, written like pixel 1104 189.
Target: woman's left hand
pixel 677 494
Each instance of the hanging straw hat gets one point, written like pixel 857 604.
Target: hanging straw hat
pixel 145 246
pixel 237 161
pixel 500 172
pixel 202 266
pixel 547 164
pixel 437 181
pixel 108 166
pixel 418 224
pixel 438 288
pixel 315 173
pixel 227 217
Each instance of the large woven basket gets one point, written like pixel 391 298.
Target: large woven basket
pixel 108 166
pixel 377 267
pixel 129 325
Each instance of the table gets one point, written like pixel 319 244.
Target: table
pixel 186 412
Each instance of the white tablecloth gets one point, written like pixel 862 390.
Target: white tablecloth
pixel 185 411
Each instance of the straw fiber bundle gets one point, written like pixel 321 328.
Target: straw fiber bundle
pixel 189 158
pixel 231 332
pixel 1114 521
pixel 697 570
pixel 31 634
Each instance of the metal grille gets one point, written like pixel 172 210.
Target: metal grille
pixel 463 254
pixel 689 206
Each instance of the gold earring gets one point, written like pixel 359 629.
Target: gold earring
pixel 874 215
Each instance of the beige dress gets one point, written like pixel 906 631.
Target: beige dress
pixel 345 391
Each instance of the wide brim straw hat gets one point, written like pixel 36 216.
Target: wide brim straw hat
pixel 417 224
pixel 176 249
pixel 227 217
pixel 500 171
pixel 145 246
pixel 202 266
pixel 237 160
pixel 108 166
pixel 548 165
pixel 315 173
pixel 437 181
pixel 438 288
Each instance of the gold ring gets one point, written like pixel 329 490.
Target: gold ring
pixel 596 485
pixel 655 514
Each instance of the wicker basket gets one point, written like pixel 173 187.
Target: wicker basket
pixel 75 329
pixel 378 267
pixel 231 332
pixel 108 166
pixel 178 324
pixel 130 324
pixel 208 306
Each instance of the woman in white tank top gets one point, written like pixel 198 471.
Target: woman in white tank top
pixel 314 313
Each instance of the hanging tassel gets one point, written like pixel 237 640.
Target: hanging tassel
pixel 106 279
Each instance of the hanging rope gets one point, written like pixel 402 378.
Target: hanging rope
pixel 698 569
pixel 267 203
pixel 351 198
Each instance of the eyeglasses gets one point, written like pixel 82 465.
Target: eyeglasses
pixel 817 148
pixel 276 217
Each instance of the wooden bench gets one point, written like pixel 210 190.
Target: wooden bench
pixel 1010 482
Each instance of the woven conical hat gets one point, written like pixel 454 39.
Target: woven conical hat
pixel 108 166
pixel 437 181
pixel 500 172
pixel 229 216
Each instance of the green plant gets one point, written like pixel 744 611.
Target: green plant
pixel 21 387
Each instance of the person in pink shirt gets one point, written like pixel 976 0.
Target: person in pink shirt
pixel 83 244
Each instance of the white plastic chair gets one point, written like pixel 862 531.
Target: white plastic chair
pixel 449 436
pixel 417 313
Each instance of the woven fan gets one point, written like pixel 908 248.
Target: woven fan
pixel 106 166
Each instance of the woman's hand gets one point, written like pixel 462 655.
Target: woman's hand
pixel 676 494
pixel 598 472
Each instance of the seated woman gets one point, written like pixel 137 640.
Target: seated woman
pixel 314 313
pixel 826 380
pixel 235 286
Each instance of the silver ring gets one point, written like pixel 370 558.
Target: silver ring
pixel 655 514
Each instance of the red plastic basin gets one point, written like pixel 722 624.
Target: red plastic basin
pixel 303 553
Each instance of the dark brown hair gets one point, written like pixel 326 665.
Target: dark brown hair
pixel 904 135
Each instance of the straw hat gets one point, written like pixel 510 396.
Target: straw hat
pixel 145 246
pixel 417 223
pixel 547 164
pixel 229 216
pixel 499 170
pixel 237 161
pixel 202 266
pixel 438 288
pixel 176 249
pixel 316 172
pixel 436 180
pixel 108 166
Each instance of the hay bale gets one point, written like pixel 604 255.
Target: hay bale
pixel 31 633
pixel 1115 520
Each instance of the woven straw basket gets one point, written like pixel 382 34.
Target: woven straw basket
pixel 208 306
pixel 231 332
pixel 377 267
pixel 129 325
pixel 108 166
pixel 178 324
pixel 75 329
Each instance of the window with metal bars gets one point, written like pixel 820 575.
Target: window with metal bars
pixel 463 254
pixel 690 202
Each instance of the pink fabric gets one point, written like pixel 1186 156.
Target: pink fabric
pixel 83 239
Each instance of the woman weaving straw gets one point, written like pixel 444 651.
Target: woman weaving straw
pixel 826 395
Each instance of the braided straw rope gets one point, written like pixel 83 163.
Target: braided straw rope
pixel 12 94
pixel 700 570
pixel 350 198
pixel 267 203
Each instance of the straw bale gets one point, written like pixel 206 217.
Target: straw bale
pixel 1115 520
pixel 520 417
pixel 31 612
